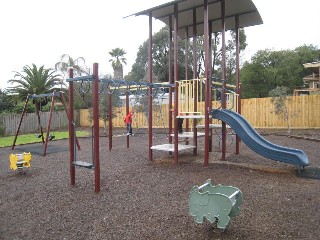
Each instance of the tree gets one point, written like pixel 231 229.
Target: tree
pixel 160 55
pixel 33 80
pixel 217 53
pixel 117 59
pixel 66 62
pixel 279 99
pixel 269 69
pixel 6 102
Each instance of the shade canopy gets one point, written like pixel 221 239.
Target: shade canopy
pixel 245 10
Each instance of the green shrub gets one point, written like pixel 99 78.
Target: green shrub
pixel 2 131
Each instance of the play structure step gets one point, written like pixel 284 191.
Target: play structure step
pixel 188 134
pixel 170 147
pixel 193 116
pixel 213 125
pixel 83 164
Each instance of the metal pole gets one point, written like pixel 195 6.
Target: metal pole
pixel 48 126
pixel 150 62
pixel 170 79
pixel 39 120
pixel 96 127
pixel 238 79
pixel 186 53
pixel 210 83
pixel 186 73
pixel 71 130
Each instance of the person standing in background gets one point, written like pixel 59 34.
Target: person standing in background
pixel 128 121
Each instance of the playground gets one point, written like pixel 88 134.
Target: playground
pixel 142 182
pixel 140 199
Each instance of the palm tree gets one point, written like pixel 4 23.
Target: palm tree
pixel 67 62
pixel 34 81
pixel 117 60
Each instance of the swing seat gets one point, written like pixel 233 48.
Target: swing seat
pixel 51 137
pixel 83 164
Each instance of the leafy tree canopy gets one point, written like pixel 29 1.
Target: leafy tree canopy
pixel 269 69
pixel 6 102
pixel 160 56
pixel 33 80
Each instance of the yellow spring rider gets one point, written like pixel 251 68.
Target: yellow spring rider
pixel 20 161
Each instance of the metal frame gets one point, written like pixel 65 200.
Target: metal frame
pixel 53 95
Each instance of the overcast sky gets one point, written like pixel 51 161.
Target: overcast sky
pixel 37 31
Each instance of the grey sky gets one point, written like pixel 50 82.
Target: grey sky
pixel 39 32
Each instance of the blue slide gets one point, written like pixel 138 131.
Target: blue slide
pixel 257 143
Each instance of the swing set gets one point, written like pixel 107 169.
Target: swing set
pixel 40 100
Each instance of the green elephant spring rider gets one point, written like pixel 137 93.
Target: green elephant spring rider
pixel 218 204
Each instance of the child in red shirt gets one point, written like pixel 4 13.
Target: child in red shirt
pixel 128 121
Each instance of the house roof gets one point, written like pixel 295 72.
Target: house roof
pixel 244 9
pixel 313 67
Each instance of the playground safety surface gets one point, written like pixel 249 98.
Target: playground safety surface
pixel 140 199
pixel 36 148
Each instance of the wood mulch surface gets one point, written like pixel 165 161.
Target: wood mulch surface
pixel 140 199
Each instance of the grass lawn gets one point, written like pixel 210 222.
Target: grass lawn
pixel 32 138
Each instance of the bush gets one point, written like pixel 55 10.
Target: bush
pixel 19 107
pixel 2 131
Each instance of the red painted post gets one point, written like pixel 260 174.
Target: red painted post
pixel 238 97
pixel 110 120
pixel 96 127
pixel 223 70
pixel 71 130
pixel 127 112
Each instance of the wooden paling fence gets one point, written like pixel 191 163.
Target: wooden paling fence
pixel 10 122
pixel 304 112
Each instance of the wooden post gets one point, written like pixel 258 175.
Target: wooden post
pixel 223 70
pixel 96 127
pixel 238 97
